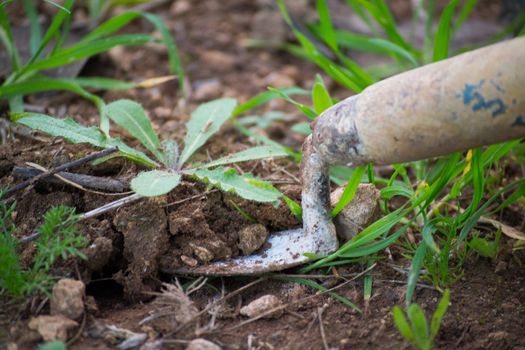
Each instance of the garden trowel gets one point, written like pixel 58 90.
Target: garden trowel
pixel 471 100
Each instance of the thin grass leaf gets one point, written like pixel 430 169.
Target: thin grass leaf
pixel 442 37
pixel 53 30
pixel 303 108
pixel 415 268
pixel 402 324
pixel 390 47
pixel 205 121
pixel 87 49
pixel 371 248
pixel 464 13
pixel 419 326
pixel 320 96
pixel 428 230
pixel 326 26
pixel 438 315
pixel 155 183
pixel 34 26
pixel 349 191
pixel 254 153
pixel 265 97
pixel 6 36
pixel 317 286
pixel 111 26
pixel 302 128
pixel 131 116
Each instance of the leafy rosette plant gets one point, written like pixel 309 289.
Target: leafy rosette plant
pixel 168 164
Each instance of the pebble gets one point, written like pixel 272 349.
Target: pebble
pixel 52 328
pixel 359 213
pixel 219 61
pixel 262 305
pixel 202 344
pixel 203 254
pixel 68 298
pixel 279 80
pixel 180 7
pixel 207 89
pixel 252 238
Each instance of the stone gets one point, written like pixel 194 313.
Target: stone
pixel 279 80
pixel 219 61
pixel 51 328
pixel 261 305
pixel 252 238
pixel 68 298
pixel 180 7
pixel 359 213
pixel 202 344
pixel 206 89
pixel 98 253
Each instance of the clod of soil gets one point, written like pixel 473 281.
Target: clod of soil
pixel 68 298
pixel 99 253
pixel 52 328
pixel 252 238
pixel 202 344
pixel 144 228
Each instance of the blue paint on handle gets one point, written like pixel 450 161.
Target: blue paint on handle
pixel 472 96
pixel 520 121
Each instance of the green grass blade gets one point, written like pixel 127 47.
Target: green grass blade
pixel 390 47
pixel 320 96
pixel 111 26
pixel 349 190
pixel 402 324
pixel 131 116
pixel 326 26
pixel 87 49
pixel 175 64
pixel 415 268
pixel 53 29
pixel 442 37
pixel 317 286
pixel 6 36
pixel 368 249
pixel 427 233
pixel 464 13
pixel 34 26
pixel 267 96
pixel 303 108
pixel 438 314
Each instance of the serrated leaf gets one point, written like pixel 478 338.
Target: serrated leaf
pixel 437 317
pixel 155 183
pixel 419 325
pixel 247 187
pixel 253 153
pixel 131 116
pixel 205 121
pixel 402 324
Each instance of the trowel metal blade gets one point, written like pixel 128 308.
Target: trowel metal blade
pixel 282 250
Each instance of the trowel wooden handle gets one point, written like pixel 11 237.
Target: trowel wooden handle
pixel 474 99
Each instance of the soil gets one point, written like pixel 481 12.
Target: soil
pixel 131 247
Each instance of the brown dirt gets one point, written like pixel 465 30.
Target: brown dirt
pixel 131 247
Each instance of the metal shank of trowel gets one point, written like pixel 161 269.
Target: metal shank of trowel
pixel 474 99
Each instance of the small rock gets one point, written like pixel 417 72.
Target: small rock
pixel 207 89
pixel 203 254
pixel 279 80
pixel 189 261
pixel 98 253
pixel 359 213
pixel 202 344
pixel 219 61
pixel 68 298
pixel 262 305
pixel 180 7
pixel 508 307
pixel 252 238
pixel 163 112
pixel 52 327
